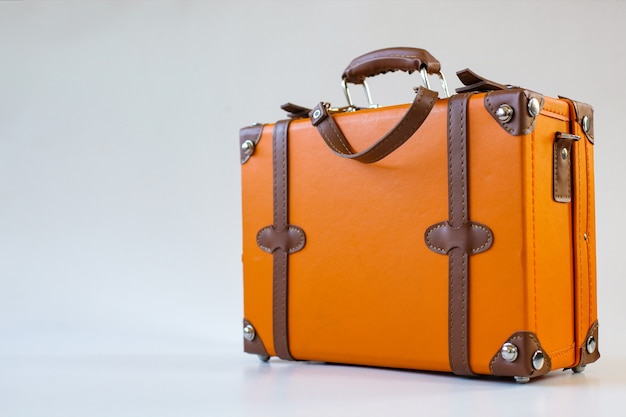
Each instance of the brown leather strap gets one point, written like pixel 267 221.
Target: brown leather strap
pixel 458 237
pixel 281 239
pixel 389 59
pixel 333 136
pixel 458 340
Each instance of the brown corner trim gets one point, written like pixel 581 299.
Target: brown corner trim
pixel 521 122
pixel 587 357
pixel 254 346
pixel 281 239
pixel 527 344
pixel 584 117
pixel 251 134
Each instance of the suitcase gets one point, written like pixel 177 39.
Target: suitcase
pixel 452 234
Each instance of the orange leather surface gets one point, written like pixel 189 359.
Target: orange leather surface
pixel 366 289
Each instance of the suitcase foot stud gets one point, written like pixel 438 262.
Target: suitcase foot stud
pixel 579 369
pixel 263 358
pixel 522 379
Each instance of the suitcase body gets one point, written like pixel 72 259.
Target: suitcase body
pixel 469 248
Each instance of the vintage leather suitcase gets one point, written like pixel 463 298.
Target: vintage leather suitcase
pixel 452 234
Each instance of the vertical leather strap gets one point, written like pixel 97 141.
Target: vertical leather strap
pixel 458 237
pixel 458 287
pixel 281 239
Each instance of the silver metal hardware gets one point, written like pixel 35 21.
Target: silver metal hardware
pixel 534 107
pixel 442 80
pixel 317 113
pixel 585 236
pixel 579 369
pixel 263 358
pixel 504 113
pixel 346 92
pixel 591 344
pixel 509 352
pixel 248 147
pixel 522 379
pixel 249 333
pixel 586 122
pixel 538 360
pixel 564 153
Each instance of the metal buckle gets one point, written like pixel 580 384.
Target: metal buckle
pixel 425 81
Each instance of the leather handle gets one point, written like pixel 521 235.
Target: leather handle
pixel 333 136
pixel 390 59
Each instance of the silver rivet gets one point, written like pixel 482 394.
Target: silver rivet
pixel 522 379
pixel 591 344
pixel 248 333
pixel 564 153
pixel 534 107
pixel 585 236
pixel 538 360
pixel 586 122
pixel 504 113
pixel 317 113
pixel 248 147
pixel 509 352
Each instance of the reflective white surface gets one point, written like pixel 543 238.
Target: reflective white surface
pixel 226 382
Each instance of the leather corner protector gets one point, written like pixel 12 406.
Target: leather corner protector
pixel 291 239
pixel 473 238
pixel 527 345
pixel 252 134
pixel 521 122
pixel 585 356
pixel 254 346
pixel 582 111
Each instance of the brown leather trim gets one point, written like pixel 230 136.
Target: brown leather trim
pixel 251 133
pixel 582 110
pixel 585 356
pixel 254 346
pixel 527 344
pixel 562 167
pixel 471 237
pixel 295 111
pixel 474 82
pixel 333 136
pixel 522 123
pixel 389 59
pixel 281 239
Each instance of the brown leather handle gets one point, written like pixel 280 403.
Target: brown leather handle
pixel 390 59
pixel 333 136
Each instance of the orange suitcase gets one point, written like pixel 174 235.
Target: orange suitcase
pixel 452 234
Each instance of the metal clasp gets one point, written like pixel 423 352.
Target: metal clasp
pixel 425 82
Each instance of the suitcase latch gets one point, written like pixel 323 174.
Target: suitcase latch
pixel 562 179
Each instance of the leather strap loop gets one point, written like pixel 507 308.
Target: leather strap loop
pixel 333 136
pixel 389 59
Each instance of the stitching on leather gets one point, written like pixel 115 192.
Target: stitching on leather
pixel 580 286
pixel 451 309
pixel 532 176
pixel 430 245
pixel 489 237
pixel 463 156
pixel 258 239
pixel 588 241
pixel 300 244
pixel 463 310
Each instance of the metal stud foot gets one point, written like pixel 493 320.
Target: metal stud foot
pixel 579 369
pixel 264 358
pixel 522 379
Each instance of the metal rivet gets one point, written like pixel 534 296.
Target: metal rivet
pixel 504 113
pixel 564 153
pixel 586 122
pixel 585 236
pixel 248 147
pixel 248 333
pixel 317 113
pixel 591 344
pixel 522 379
pixel 534 107
pixel 509 352
pixel 538 360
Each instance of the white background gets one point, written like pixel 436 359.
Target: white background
pixel 120 274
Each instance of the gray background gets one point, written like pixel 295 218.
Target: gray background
pixel 120 198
